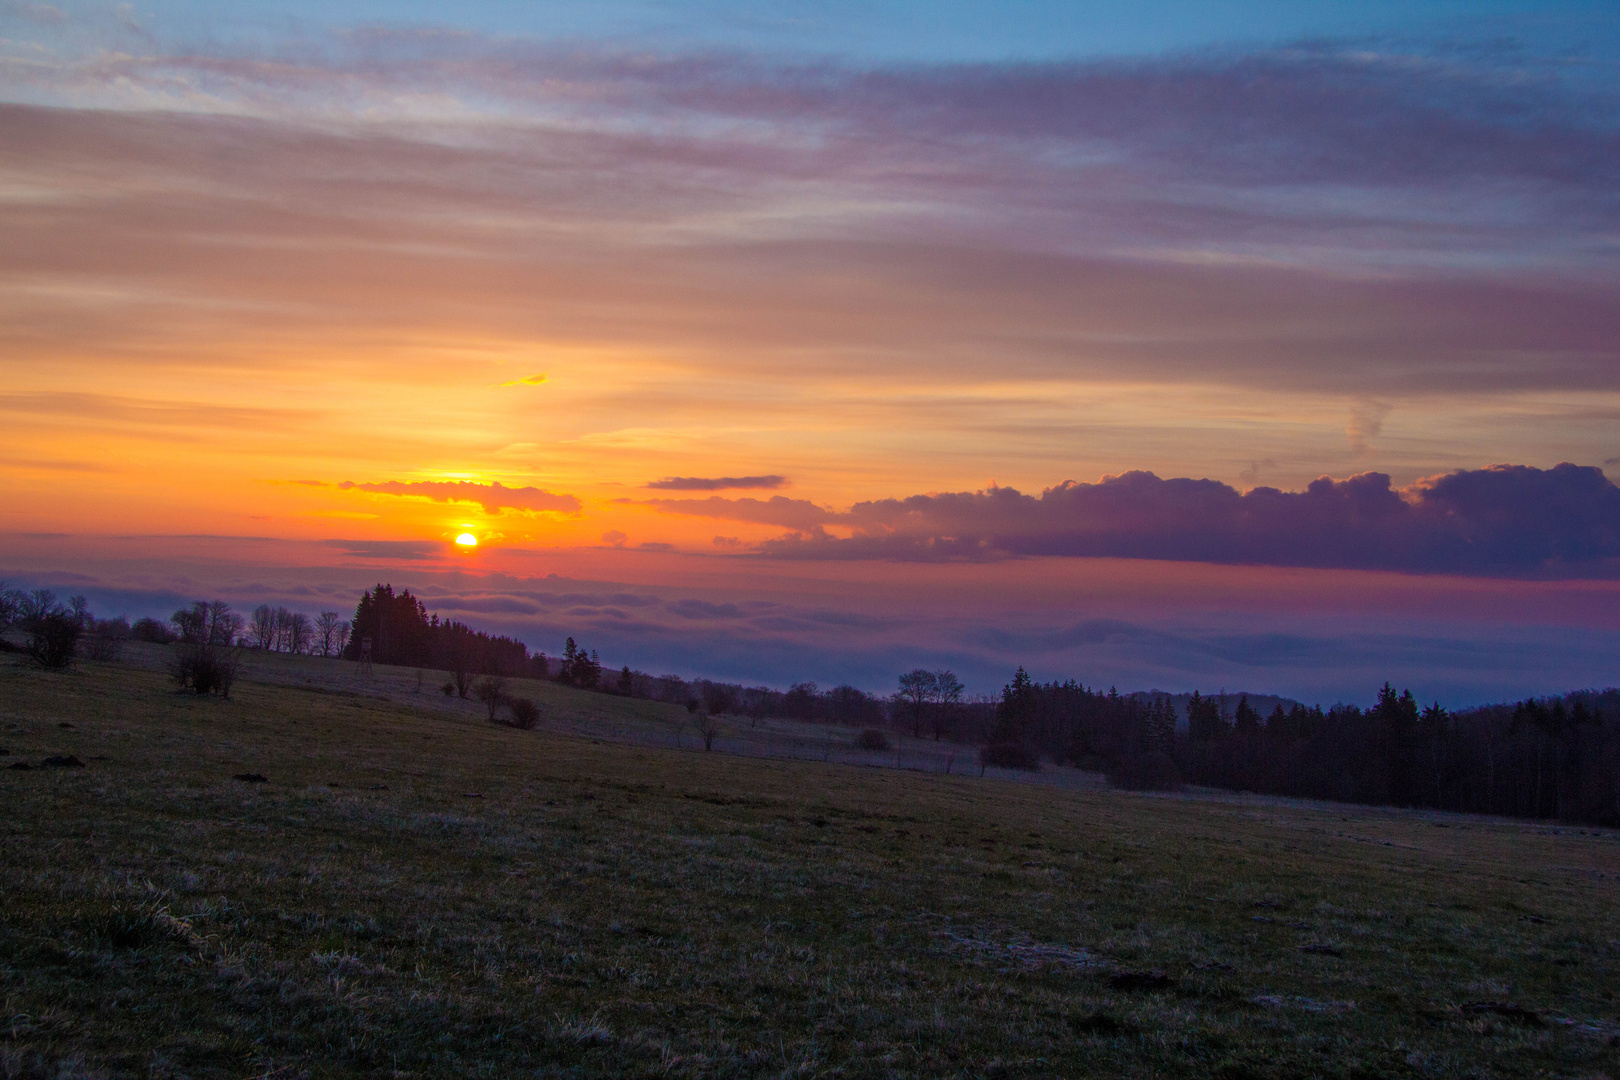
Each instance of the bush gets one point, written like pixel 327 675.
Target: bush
pixel 1008 755
pixel 52 638
pixel 204 669
pixel 151 630
pixel 99 647
pixel 491 690
pixel 104 638
pixel 525 713
pixel 872 739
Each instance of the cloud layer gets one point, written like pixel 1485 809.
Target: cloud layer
pixel 494 497
pixel 1502 520
pixel 1319 635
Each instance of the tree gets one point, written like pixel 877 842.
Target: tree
pixel 296 632
pixel 1015 715
pixel 37 604
pixel 206 660
pixel 1246 722
pixel 801 701
pixel 152 630
pixel 1204 721
pixel 1395 718
pixel 1432 731
pixel 1016 711
pixel 708 726
pixel 224 625
pixel 53 630
pixel 328 625
pixel 948 693
pixel 525 713
pixel 579 668
pixel 101 639
pixel 207 623
pixel 12 602
pixel 491 690
pixel 717 698
pixel 261 633
pixel 918 687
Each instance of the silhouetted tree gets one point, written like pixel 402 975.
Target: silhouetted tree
pixel 328 625
pixel 948 690
pixel 918 687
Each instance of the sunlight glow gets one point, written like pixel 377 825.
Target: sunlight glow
pixel 467 540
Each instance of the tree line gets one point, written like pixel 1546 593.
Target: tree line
pixel 1543 758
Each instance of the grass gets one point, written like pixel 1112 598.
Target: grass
pixel 413 892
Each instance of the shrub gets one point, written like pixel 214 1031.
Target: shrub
pixel 204 669
pixel 1009 755
pixel 872 739
pixel 52 638
pixel 525 713
pixel 99 647
pixel 103 639
pixel 491 690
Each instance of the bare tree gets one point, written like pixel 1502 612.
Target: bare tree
pixel 948 691
pixel 708 726
pixel 342 637
pixel 224 625
pixel 38 604
pixel 261 632
pixel 208 623
pixel 326 632
pixel 11 605
pixel 297 632
pixel 917 688
pixel 280 620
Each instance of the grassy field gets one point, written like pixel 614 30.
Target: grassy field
pixel 414 892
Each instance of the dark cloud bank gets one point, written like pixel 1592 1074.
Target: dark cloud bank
pixel 1505 520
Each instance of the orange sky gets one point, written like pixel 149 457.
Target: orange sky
pixel 262 289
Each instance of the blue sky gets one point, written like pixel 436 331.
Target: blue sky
pixel 915 31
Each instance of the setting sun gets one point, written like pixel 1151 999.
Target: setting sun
pixel 467 540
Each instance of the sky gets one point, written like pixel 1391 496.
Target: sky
pixel 1163 345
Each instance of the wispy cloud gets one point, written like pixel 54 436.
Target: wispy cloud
pixel 494 497
pixel 777 510
pixel 716 483
pixel 387 549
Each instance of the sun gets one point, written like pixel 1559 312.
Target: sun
pixel 467 540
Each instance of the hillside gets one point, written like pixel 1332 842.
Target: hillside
pixel 411 891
